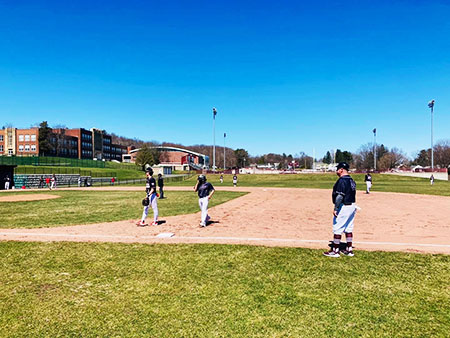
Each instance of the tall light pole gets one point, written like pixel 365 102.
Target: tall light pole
pixel 224 154
pixel 431 106
pixel 374 149
pixel 214 139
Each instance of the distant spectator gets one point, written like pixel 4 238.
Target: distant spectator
pixel 47 182
pixel 79 181
pixel 41 182
pixel 113 180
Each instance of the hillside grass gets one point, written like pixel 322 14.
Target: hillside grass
pixel 138 290
pixel 86 207
pixel 381 182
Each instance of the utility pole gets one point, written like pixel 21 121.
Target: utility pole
pixel 375 149
pixel 224 153
pixel 214 139
pixel 431 106
pixel 314 159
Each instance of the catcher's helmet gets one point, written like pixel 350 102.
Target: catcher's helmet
pixel 201 178
pixel 342 165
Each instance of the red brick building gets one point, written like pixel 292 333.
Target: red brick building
pixel 27 142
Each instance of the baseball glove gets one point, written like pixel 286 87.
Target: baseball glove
pixel 145 202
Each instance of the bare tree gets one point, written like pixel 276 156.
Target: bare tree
pixel 392 159
pixel 442 153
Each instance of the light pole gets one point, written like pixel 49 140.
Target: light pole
pixel 244 162
pixel 431 106
pixel 224 158
pixel 214 138
pixel 374 149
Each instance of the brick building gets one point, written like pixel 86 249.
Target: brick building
pixel 84 145
pixel 72 143
pixel 27 142
pixel 173 158
pixel 8 141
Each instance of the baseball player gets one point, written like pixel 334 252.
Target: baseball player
pixel 344 198
pixel 53 180
pixel 431 179
pixel 7 180
pixel 221 178
pixel 234 180
pixel 368 180
pixel 150 199
pixel 161 186
pixel 205 191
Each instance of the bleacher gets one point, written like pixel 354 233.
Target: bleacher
pixel 30 181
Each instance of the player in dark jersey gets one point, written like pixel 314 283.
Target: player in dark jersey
pixel 161 186
pixel 150 189
pixel 344 198
pixel 205 191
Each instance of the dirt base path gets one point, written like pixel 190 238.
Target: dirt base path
pixel 280 217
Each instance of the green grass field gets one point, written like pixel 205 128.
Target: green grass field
pixel 85 207
pixel 381 182
pixel 120 290
pixel 135 290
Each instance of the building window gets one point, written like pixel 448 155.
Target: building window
pixel 33 137
pixel 27 137
pixel 21 147
pixel 20 138
pixel 1 138
pixel 33 147
pixel 27 147
pixel 10 152
pixel 1 148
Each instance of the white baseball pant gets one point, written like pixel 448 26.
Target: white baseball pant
pixel 203 203
pixel 344 220
pixel 154 205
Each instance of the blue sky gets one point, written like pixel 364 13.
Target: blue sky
pixel 285 76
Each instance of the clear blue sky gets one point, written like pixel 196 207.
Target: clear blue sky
pixel 285 76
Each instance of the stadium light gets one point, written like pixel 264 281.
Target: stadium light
pixel 431 106
pixel 214 138
pixel 224 154
pixel 374 149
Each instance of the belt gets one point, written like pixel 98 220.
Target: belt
pixel 348 203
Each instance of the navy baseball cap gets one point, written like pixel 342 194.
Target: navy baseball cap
pixel 342 165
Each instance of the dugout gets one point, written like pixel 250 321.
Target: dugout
pixel 4 171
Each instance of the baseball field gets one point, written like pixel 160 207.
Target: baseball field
pixel 73 263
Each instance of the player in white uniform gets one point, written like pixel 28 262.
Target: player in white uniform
pixel 150 199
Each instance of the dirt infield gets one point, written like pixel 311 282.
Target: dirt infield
pixel 27 197
pixel 280 217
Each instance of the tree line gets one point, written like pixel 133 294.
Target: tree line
pixel 362 159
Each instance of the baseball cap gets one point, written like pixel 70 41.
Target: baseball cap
pixel 342 165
